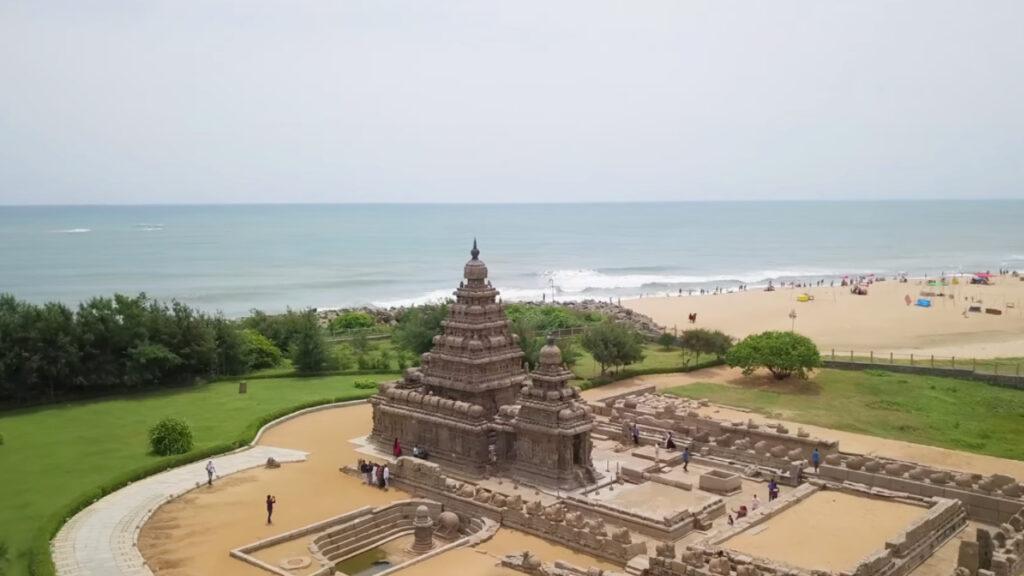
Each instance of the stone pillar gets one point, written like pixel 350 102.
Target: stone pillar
pixel 423 528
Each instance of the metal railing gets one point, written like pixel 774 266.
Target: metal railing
pixel 995 366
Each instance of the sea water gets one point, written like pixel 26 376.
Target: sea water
pixel 232 258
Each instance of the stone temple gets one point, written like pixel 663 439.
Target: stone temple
pixel 474 407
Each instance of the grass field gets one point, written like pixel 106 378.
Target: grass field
pixel 957 414
pixel 654 357
pixel 55 456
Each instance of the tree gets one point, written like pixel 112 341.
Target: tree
pixel 234 354
pixel 418 326
pixel 782 353
pixel 309 347
pixel 702 341
pixel 262 352
pixel 613 344
pixel 667 340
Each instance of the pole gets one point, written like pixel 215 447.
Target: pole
pixel 933 360
pixel 872 356
pixel 891 361
pixel 911 358
pixel 954 362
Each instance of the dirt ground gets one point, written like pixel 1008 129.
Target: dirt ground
pixel 191 535
pixel 828 531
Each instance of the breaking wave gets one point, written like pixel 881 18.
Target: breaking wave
pixel 578 281
pixel 73 231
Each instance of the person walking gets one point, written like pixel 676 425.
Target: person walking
pixel 210 471
pixel 816 460
pixel 386 474
pixel 396 449
pixel 773 489
pixel 755 503
pixel 636 433
pixel 271 500
pixel 686 459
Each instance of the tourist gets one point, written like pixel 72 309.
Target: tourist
pixel 368 472
pixel 731 521
pixel 210 471
pixel 271 500
pixel 397 449
pixel 635 430
pixel 381 481
pixel 816 460
pixel 741 512
pixel 686 459
pixel 773 489
pixel 755 503
pixel 670 444
pixel 375 475
pixel 386 476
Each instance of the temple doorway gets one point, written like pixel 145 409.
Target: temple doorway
pixel 577 449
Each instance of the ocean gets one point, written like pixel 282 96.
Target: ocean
pixel 233 258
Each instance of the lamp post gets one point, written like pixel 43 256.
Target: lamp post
pixel 792 317
pixel 551 283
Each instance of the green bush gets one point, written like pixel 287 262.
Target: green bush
pixel 353 320
pixel 170 436
pixel 667 340
pixel 263 352
pixel 783 353
pixel 702 341
pixel 418 326
pixel 366 385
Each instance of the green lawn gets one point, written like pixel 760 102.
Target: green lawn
pixel 55 456
pixel 957 414
pixel 655 356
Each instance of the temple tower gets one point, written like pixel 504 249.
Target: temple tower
pixel 475 359
pixel 552 427
pixel 448 405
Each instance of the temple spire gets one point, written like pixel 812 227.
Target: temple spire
pixel 475 252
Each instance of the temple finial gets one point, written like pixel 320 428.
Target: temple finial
pixel 474 252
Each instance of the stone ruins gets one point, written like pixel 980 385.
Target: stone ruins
pixel 522 451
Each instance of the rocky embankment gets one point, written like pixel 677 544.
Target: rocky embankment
pixel 644 324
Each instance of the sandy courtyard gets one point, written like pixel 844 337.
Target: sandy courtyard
pixel 880 321
pixel 191 535
pixel 827 531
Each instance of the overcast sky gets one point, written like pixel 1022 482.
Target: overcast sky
pixel 184 101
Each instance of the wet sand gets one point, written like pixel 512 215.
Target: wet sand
pixel 827 531
pixel 880 321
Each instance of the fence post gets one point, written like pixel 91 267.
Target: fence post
pixel 833 354
pixel 872 356
pixel 954 362
pixel 933 360
pixel 891 361
pixel 851 355
pixel 911 359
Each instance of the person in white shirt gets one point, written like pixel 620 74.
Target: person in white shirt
pixel 210 471
pixel 387 477
pixel 755 503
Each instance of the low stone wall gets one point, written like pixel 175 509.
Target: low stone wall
pixel 1001 380
pixel 666 528
pixel 593 535
pixel 899 556
pixel 988 499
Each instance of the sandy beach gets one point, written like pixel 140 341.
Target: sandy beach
pixel 880 321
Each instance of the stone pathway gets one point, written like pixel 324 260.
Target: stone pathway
pixel 101 539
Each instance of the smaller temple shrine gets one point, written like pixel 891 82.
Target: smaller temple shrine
pixel 472 406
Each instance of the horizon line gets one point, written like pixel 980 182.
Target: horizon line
pixel 512 203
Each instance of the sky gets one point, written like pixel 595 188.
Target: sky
pixel 207 101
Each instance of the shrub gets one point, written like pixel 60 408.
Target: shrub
pixel 309 348
pixel 782 353
pixel 366 385
pixel 170 436
pixel 353 320
pixel 364 362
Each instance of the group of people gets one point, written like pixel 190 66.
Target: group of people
pixel 374 474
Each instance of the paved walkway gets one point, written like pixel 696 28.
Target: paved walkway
pixel 101 539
